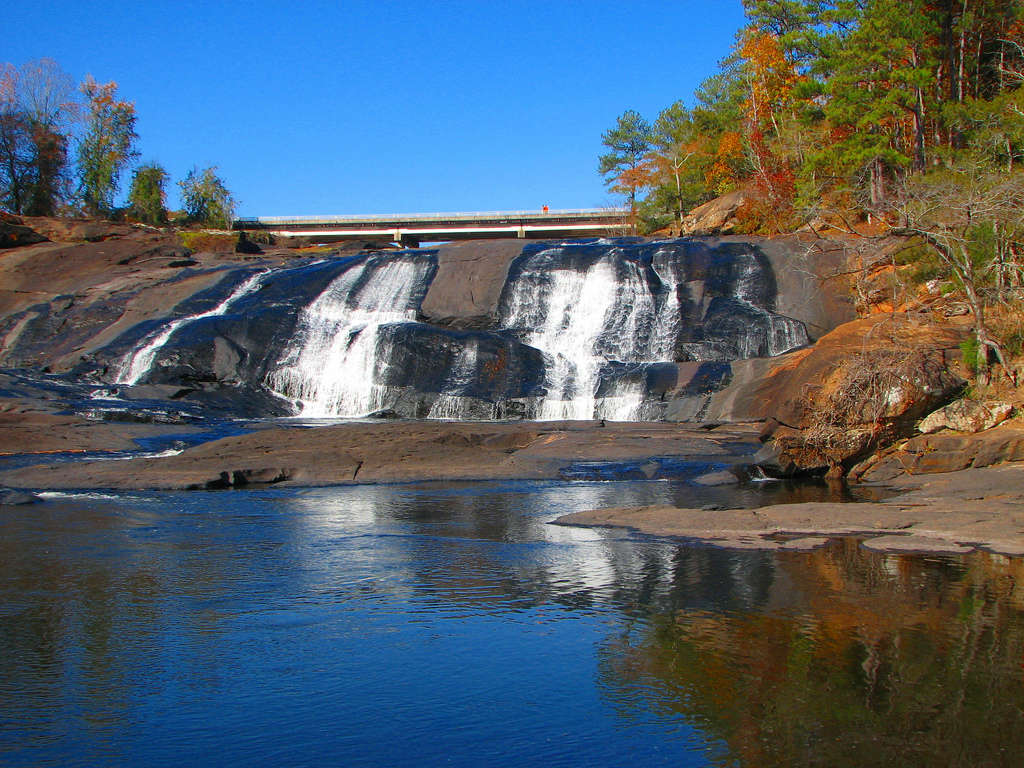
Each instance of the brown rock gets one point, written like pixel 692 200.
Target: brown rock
pixel 861 386
pixel 945 452
pixel 966 416
pixel 61 230
pixel 715 217
pixel 15 234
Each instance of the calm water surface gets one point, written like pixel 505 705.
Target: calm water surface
pixel 452 625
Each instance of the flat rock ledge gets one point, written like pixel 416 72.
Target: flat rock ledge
pixel 955 512
pixel 393 452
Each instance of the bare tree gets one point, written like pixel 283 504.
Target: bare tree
pixel 972 219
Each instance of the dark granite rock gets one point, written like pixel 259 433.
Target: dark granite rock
pixel 11 497
pixel 14 235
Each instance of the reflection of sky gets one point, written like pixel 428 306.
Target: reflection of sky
pixel 388 622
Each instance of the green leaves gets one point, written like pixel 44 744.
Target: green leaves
pixel 147 197
pixel 206 198
pixel 107 147
pixel 628 142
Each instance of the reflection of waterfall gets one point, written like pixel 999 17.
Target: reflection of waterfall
pixel 332 366
pixel 137 363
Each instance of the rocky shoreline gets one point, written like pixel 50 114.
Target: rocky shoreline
pixel 979 505
pixel 954 513
pixel 403 451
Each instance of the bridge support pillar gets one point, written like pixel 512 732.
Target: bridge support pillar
pixel 522 233
pixel 406 240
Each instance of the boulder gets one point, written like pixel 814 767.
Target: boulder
pixel 944 452
pixel 715 217
pixel 12 497
pixel 966 416
pixel 862 386
pixel 467 287
pixel 244 245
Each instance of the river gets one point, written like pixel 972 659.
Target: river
pixel 452 624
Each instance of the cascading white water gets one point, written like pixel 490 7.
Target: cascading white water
pixel 665 331
pixel 331 367
pixel 581 320
pixel 139 361
pixel 450 404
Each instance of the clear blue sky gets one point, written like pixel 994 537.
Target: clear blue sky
pixel 374 107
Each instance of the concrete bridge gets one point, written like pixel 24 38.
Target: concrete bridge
pixel 412 229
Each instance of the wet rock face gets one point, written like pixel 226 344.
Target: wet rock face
pixel 617 329
pixel 580 330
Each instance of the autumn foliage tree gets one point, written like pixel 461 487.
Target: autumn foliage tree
pixel 625 166
pixel 107 146
pixel 869 116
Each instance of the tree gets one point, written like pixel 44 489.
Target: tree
pixel 971 218
pixel 15 145
pixel 675 142
pixel 206 198
pixel 147 196
pixel 624 166
pixel 37 108
pixel 879 99
pixel 107 147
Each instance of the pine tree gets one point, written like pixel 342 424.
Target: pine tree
pixel 624 165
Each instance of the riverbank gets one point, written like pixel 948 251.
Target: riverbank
pixel 955 512
pixel 400 451
pixel 952 512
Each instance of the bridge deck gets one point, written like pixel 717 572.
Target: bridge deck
pixel 414 228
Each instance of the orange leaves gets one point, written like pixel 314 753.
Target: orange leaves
pixel 723 173
pixel 102 100
pixel 8 86
pixel 771 77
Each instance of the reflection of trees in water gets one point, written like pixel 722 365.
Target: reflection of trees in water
pixel 856 658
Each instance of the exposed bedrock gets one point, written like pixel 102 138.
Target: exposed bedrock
pixel 617 329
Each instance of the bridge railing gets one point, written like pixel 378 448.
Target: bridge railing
pixel 580 213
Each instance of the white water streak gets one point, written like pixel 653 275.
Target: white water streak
pixel 581 320
pixel 138 363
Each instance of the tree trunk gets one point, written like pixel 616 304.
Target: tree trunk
pixel 919 130
pixel 877 184
pixel 679 196
pixel 961 55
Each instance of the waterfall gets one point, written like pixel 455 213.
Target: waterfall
pixel 668 320
pixel 581 319
pixel 774 334
pixel 451 403
pixel 137 363
pixel 333 366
